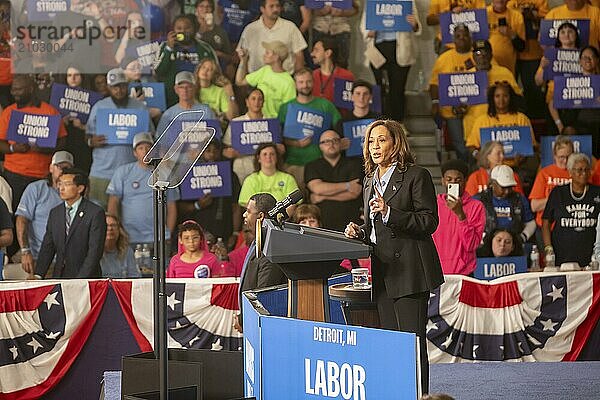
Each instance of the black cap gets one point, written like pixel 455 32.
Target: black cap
pixel 457 165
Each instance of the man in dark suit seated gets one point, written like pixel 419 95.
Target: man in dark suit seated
pixel 258 272
pixel 75 232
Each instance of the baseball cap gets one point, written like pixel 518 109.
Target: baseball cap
pixel 504 175
pixel 115 77
pixel 278 47
pixel 185 76
pixel 482 45
pixel 62 157
pixel 142 137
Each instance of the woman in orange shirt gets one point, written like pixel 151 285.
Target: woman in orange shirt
pixel 490 155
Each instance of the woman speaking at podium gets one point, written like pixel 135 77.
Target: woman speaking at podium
pixel 400 217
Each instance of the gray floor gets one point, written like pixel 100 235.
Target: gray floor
pixel 506 381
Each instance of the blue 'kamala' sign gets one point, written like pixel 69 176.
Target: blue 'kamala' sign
pixel 475 19
pixel 489 268
pixel 212 178
pixel 73 101
pixel 34 129
pixel 120 125
pixel 463 88
pixel 515 139
pixel 388 15
pixel 246 136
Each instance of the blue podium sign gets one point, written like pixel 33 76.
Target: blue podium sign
pixel 514 139
pixel 489 268
pixel 581 144
pixel 324 360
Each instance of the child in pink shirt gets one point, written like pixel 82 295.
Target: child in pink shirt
pixel 194 260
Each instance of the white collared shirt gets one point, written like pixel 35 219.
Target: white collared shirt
pixel 381 185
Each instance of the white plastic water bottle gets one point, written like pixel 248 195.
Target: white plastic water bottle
pixel 535 259
pixel 138 255
pixel 550 259
pixel 147 258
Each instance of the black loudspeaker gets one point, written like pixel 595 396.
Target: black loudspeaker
pixel 218 375
pixel 183 393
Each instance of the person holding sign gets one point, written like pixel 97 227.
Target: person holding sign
pixel 129 195
pixel 551 176
pixel 243 165
pixel 502 111
pixel 529 59
pixel 108 157
pixel 490 155
pixel 579 9
pixel 398 51
pixel 567 38
pixel 276 84
pixel 437 7
pixel 193 260
pixel 571 214
pixel 302 151
pixel 458 59
pixel 461 221
pixel 268 177
pixel 400 217
pixel 501 243
pixel 25 162
pixel 585 120
pixel 507 33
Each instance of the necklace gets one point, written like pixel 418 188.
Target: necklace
pixel 573 194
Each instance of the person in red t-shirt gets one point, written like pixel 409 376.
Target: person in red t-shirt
pixel 325 55
pixel 25 163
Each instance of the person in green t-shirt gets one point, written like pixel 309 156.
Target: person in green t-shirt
pixel 274 81
pixel 301 152
pixel 216 90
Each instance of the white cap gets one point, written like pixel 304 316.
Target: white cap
pixel 142 137
pixel 62 157
pixel 185 76
pixel 504 175
pixel 115 77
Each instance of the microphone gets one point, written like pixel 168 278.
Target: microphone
pixel 292 198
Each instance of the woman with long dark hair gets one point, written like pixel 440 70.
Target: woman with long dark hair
pixel 400 217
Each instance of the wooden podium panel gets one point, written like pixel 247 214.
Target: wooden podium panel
pixel 307 300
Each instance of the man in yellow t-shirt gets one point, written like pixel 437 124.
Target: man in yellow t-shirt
pixel 458 59
pixel 507 33
pixel 483 56
pixel 529 59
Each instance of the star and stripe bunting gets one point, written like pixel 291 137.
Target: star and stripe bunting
pixel 529 317
pixel 45 324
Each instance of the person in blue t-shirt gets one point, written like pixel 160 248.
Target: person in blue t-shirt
pixel 504 207
pixel 32 212
pixel 129 195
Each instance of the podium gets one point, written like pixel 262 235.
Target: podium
pixel 308 256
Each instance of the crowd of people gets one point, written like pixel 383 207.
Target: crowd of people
pixel 239 61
